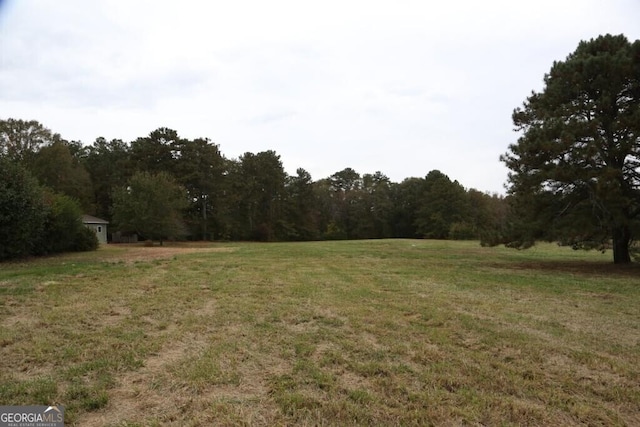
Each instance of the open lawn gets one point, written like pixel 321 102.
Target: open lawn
pixel 383 332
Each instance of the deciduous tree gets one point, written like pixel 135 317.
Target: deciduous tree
pixel 21 139
pixel 109 165
pixel 56 168
pixel 151 205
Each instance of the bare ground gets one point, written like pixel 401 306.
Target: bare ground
pixel 130 253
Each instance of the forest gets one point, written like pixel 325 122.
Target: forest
pixel 162 186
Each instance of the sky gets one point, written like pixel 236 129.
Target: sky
pixel 399 86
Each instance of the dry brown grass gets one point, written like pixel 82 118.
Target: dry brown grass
pixel 136 252
pixel 329 333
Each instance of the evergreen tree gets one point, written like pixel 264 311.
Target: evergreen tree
pixel 442 204
pixel 575 170
pixel 157 152
pixel 302 210
pixel 199 167
pixel 22 211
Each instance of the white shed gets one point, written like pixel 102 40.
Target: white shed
pixel 98 225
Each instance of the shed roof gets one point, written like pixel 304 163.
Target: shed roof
pixel 88 219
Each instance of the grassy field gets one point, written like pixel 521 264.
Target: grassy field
pixel 386 332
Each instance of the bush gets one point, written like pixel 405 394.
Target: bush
pixel 64 230
pixel 34 221
pixel 85 240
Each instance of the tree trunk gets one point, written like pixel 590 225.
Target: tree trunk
pixel 204 217
pixel 621 239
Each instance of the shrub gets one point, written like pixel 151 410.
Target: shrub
pixel 85 240
pixel 64 230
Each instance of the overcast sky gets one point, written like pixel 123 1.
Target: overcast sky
pixel 401 87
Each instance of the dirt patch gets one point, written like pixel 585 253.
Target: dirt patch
pixel 22 319
pixel 137 392
pixel 138 253
pixel 208 309
pixel 114 315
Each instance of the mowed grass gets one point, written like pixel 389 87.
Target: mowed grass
pixel 383 332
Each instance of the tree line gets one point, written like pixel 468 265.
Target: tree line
pixel 163 186
pixel 574 179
